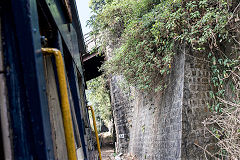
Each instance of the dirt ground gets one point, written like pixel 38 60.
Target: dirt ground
pixel 108 154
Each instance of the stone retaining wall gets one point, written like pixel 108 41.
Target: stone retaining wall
pixel 164 125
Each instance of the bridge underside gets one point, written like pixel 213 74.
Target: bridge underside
pixel 91 64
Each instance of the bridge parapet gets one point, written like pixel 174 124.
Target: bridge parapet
pixel 92 59
pixel 90 42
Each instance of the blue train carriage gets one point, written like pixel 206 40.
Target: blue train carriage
pixel 42 88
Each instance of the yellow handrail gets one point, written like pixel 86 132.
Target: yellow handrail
pixel 96 133
pixel 66 113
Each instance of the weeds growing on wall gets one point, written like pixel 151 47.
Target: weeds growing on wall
pixel 149 30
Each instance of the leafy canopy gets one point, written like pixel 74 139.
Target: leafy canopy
pixel 149 31
pixel 98 97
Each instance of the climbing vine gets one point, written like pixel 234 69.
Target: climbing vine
pixel 149 32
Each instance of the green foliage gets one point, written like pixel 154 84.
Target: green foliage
pixel 150 31
pixel 98 97
pixel 223 71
